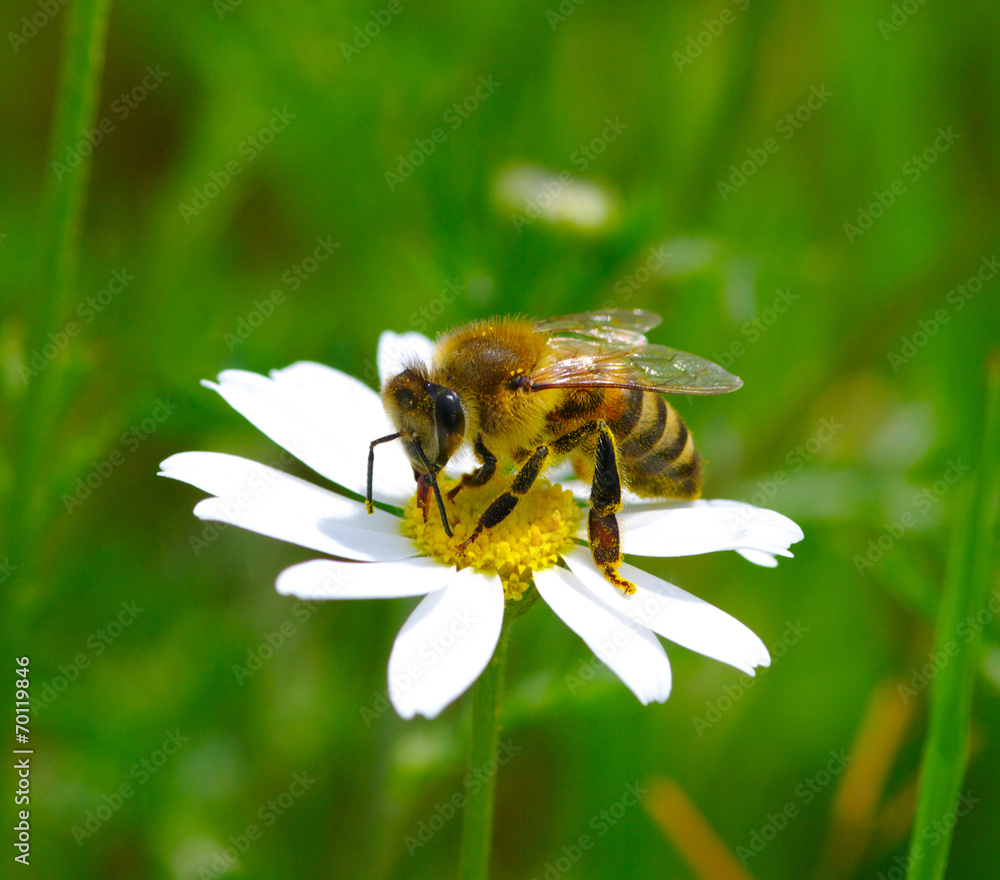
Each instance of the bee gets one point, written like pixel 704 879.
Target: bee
pixel 586 387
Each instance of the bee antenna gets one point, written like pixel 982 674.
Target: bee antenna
pixel 369 504
pixel 432 477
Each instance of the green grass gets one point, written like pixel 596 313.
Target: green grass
pixel 861 400
pixel 966 595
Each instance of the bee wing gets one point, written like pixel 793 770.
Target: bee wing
pixel 586 361
pixel 626 326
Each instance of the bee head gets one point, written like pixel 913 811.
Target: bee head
pixel 430 419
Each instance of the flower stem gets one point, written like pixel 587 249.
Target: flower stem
pixel 477 824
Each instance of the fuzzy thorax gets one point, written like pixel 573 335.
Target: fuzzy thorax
pixel 530 539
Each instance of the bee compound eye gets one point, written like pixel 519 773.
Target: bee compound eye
pixel 449 411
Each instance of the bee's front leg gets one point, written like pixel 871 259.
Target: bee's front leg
pixel 481 475
pixel 503 504
pixel 422 488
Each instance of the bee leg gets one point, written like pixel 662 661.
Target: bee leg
pixel 605 502
pixel 501 506
pixel 605 547
pixel 482 475
pixel 422 488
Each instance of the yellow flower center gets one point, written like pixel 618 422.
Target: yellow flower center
pixel 530 539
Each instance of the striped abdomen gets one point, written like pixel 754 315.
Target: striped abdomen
pixel 657 454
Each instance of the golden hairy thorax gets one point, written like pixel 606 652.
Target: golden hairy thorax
pixel 490 365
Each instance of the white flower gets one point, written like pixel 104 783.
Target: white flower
pixel 556 199
pixel 327 419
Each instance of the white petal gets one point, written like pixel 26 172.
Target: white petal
pixel 464 461
pixel 445 644
pixel 629 650
pixel 675 614
pixel 687 528
pixel 259 498
pixel 759 557
pixel 562 472
pixel 331 579
pixel 398 350
pixel 326 419
pixel 581 489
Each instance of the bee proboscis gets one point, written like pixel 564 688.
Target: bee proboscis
pixel 586 387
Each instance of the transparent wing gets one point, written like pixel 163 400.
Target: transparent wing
pixel 609 349
pixel 627 326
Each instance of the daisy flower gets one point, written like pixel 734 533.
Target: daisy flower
pixel 327 419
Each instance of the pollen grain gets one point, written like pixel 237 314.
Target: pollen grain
pixel 530 539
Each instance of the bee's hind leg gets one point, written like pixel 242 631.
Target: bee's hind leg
pixel 605 502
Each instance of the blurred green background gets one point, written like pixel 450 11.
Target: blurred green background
pixel 238 134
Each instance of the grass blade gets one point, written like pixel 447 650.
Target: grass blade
pixel 966 591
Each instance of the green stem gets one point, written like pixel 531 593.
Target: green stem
pixel 78 90
pixel 966 592
pixel 477 823
pixel 65 195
